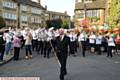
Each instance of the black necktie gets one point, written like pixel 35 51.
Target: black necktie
pixel 60 38
pixel 72 36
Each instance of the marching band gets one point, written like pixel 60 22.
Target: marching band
pixel 64 42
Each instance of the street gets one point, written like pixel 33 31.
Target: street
pixel 92 67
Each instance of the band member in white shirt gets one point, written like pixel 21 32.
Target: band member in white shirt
pixel 98 43
pixel 82 38
pixel 111 45
pixel 49 44
pixel 45 38
pixel 34 40
pixel 92 39
pixel 73 38
pixel 40 41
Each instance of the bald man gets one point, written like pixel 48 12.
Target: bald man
pixel 62 43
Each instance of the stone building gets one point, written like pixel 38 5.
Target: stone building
pixel 87 9
pixel 22 13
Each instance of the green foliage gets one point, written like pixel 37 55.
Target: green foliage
pixel 94 19
pixel 114 16
pixel 65 24
pixel 2 22
pixel 57 23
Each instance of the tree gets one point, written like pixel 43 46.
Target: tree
pixel 56 23
pixel 2 22
pixel 65 24
pixel 114 12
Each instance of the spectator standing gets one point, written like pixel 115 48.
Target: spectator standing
pixel 28 44
pixel 16 44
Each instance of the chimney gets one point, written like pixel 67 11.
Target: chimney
pixel 65 12
pixel 39 2
pixel 46 7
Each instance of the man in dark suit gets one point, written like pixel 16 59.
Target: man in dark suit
pixel 2 46
pixel 62 43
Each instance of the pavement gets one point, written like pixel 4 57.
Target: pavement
pixel 6 59
pixel 92 67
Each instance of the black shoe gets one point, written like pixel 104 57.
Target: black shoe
pixel 74 55
pixel 83 55
pixel 61 77
pixel 48 57
pixel 65 73
pixel 38 53
pixel 44 56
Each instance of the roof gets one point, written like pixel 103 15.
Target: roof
pixel 31 3
pixel 97 4
pixel 57 13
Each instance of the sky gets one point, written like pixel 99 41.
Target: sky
pixel 60 5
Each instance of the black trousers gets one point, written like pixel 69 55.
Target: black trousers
pixel 47 48
pixel 40 47
pixel 44 48
pixel 16 53
pixel 62 57
pixel 98 49
pixel 76 45
pixel 53 43
pixel 105 45
pixel 22 43
pixel 84 46
pixel 34 44
pixel 72 47
pixel 2 50
pixel 109 52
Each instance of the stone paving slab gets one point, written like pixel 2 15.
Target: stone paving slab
pixel 92 67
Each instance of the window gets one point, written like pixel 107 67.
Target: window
pixel 9 4
pixel 35 20
pixel 88 1
pixel 24 18
pixel 32 20
pixel 10 16
pixel 80 14
pixel 36 11
pixel 93 13
pixel 78 1
pixel 23 8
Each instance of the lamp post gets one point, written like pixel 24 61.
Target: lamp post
pixel 85 10
pixel 18 13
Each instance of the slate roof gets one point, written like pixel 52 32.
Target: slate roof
pixel 31 3
pixel 57 13
pixel 96 4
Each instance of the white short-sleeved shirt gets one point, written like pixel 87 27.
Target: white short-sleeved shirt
pixel 111 42
pixel 92 39
pixel 8 38
pixel 73 37
pixel 99 39
pixel 82 37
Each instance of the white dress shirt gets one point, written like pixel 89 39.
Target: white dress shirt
pixel 92 39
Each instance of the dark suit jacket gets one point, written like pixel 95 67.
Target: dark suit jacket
pixel 62 46
pixel 2 43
